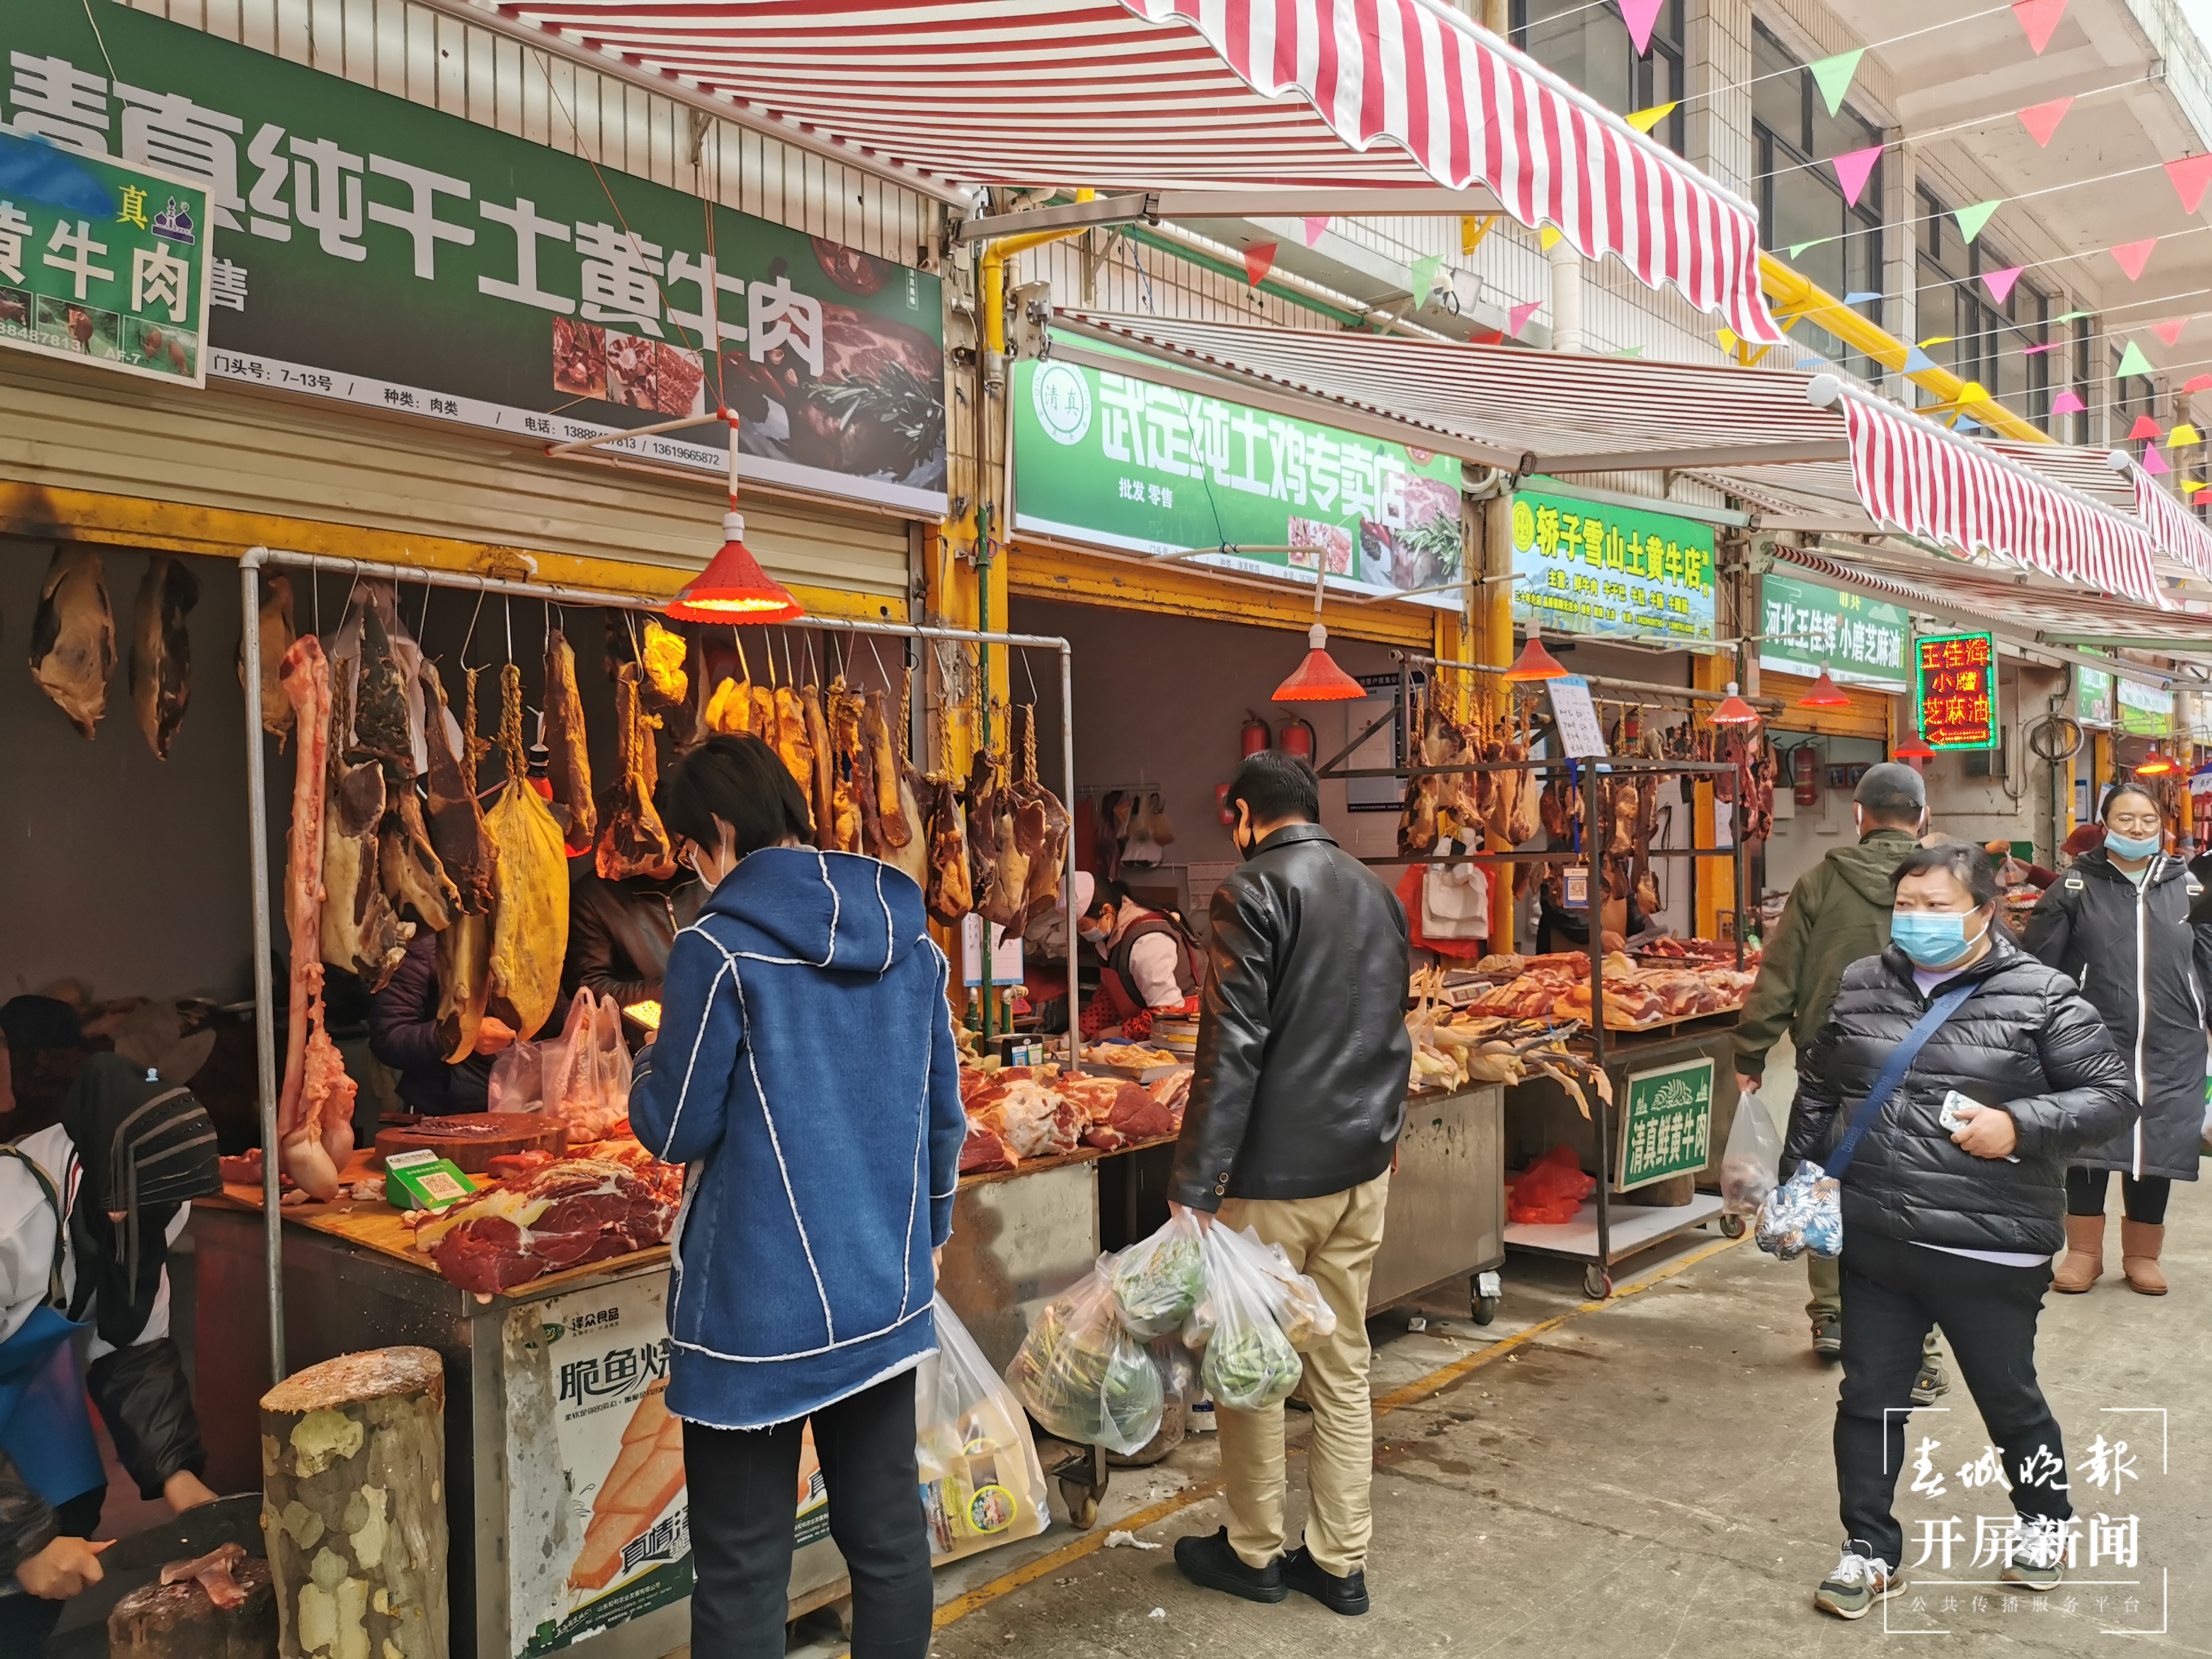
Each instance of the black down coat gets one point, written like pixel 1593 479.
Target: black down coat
pixel 2025 1040
pixel 2145 970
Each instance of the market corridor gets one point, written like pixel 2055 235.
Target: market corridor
pixel 1653 1478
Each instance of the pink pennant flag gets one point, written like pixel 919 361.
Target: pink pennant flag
pixel 1640 16
pixel 2000 282
pixel 2170 330
pixel 1258 262
pixel 1517 318
pixel 2132 256
pixel 1315 224
pixel 2068 402
pixel 2038 18
pixel 2197 383
pixel 2038 350
pixel 2152 465
pixel 2189 175
pixel 1852 168
pixel 2041 120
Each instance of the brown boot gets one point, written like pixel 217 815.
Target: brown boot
pixel 2139 1247
pixel 2083 1263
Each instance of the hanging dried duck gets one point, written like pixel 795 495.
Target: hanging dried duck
pixel 1042 825
pixel 569 763
pixel 634 842
pixel 530 901
pixel 380 721
pixel 161 651
pixel 73 636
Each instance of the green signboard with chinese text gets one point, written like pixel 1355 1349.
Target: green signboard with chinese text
pixel 1808 627
pixel 1666 1124
pixel 1955 689
pixel 1121 462
pixel 2145 711
pixel 2093 696
pixel 1583 567
pixel 102 262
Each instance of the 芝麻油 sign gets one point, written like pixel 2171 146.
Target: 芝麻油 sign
pixel 1956 690
pixel 1583 567
pixel 1121 462
pixel 1666 1123
pixel 1808 627
pixel 363 248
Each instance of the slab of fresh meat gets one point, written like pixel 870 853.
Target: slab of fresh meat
pixel 161 651
pixel 214 1571
pixel 985 1149
pixel 1120 1113
pixel 1172 1091
pixel 568 763
pixel 1034 1120
pixel 633 841
pixel 530 889
pixel 458 833
pixel 73 636
pixel 568 1214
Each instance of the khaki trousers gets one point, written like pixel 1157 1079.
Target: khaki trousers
pixel 1331 1240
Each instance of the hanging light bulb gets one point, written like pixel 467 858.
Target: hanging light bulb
pixel 2154 765
pixel 1733 710
pixel 1824 693
pixel 1913 748
pixel 1534 662
pixel 734 588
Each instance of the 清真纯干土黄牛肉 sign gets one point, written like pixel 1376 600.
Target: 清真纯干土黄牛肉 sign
pixel 363 248
pixel 1583 567
pixel 1122 462
pixel 1955 686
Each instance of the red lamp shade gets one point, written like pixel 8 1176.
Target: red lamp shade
pixel 1318 680
pixel 734 588
pixel 1534 663
pixel 1825 694
pixel 1913 748
pixel 1733 710
pixel 2154 765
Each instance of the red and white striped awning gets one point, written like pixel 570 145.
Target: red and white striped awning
pixel 1151 94
pixel 2172 525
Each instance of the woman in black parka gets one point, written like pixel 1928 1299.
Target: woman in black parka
pixel 2117 924
pixel 1950 1225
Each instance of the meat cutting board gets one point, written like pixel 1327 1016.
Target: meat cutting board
pixel 472 1141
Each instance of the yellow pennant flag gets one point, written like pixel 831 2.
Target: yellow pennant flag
pixel 1645 119
pixel 1546 237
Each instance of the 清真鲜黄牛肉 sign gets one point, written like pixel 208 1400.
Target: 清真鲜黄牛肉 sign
pixel 1666 1124
pixel 1955 683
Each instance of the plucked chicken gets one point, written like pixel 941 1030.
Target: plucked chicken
pixel 73 636
pixel 530 884
pixel 161 651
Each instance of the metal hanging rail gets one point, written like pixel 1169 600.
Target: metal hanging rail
pixel 250 566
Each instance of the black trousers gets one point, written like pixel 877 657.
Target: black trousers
pixel 1893 1292
pixel 25 1621
pixel 744 1493
pixel 2142 1200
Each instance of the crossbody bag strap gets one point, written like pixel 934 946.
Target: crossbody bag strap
pixel 1892 1073
pixel 61 1221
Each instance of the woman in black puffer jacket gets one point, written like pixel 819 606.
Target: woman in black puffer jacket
pixel 1951 1227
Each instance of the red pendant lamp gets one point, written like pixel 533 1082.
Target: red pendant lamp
pixel 1733 710
pixel 1318 680
pixel 734 588
pixel 1824 693
pixel 1534 662
pixel 1913 748
pixel 2154 765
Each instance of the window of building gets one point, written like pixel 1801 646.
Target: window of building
pixel 2083 387
pixel 1587 45
pixel 1988 341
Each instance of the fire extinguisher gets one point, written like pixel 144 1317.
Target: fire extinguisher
pixel 1296 740
pixel 1253 738
pixel 1805 775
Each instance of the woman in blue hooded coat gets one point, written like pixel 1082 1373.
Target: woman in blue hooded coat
pixel 805 1074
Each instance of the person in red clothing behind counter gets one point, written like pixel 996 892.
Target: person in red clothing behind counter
pixel 1151 964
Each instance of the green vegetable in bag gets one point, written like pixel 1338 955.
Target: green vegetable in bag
pixel 1083 1376
pixel 1250 1365
pixel 1157 1280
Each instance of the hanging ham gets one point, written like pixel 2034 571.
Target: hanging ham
pixel 896 825
pixel 73 636
pixel 568 766
pixel 407 865
pixel 380 725
pixel 530 884
pixel 278 633
pixel 634 842
pixel 161 651
pixel 950 889
pixel 458 833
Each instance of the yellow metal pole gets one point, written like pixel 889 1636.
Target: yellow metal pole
pixel 1490 610
pixel 1714 886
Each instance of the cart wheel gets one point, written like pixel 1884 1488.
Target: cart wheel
pixel 1484 1308
pixel 1597 1283
pixel 1732 1226
pixel 1082 1503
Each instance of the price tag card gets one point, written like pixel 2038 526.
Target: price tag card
pixel 1581 737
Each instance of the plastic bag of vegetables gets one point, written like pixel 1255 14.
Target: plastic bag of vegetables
pixel 981 1484
pixel 1083 1376
pixel 1157 1280
pixel 1249 1364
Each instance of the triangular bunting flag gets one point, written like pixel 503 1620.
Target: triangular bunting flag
pixel 2134 256
pixel 1315 224
pixel 1939 339
pixel 1630 351
pixel 1258 262
pixel 1833 75
pixel 1972 393
pixel 2197 383
pixel 1796 248
pixel 1918 362
pixel 2038 18
pixel 2038 350
pixel 1645 119
pixel 2182 436
pixel 2132 362
pixel 1859 296
pixel 1547 237
pixel 1640 16
pixel 2191 486
pixel 2170 330
pixel 1424 277
pixel 2153 466
pixel 2000 282
pixel 2144 428
pixel 1517 318
pixel 2070 316
pixel 2041 120
pixel 2068 402
pixel 1495 336
pixel 1852 167
pixel 1972 219
pixel 1729 338
pixel 2189 176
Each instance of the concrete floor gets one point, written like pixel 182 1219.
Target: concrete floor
pixel 1650 1478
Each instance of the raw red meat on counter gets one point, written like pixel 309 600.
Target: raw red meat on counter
pixel 566 1214
pixel 1023 1107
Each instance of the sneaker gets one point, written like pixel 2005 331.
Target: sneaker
pixel 2038 1551
pixel 1347 1595
pixel 1210 1564
pixel 1828 1335
pixel 1932 1383
pixel 1856 1583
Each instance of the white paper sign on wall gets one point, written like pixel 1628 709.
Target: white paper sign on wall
pixel 1581 737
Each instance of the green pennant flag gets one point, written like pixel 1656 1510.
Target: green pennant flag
pixel 1972 219
pixel 1424 277
pixel 2071 316
pixel 1833 75
pixel 1796 248
pixel 2132 362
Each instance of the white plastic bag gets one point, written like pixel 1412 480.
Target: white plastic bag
pixel 1157 1280
pixel 981 1484
pixel 1303 1312
pixel 1081 1374
pixel 1248 1363
pixel 518 1079
pixel 1752 1158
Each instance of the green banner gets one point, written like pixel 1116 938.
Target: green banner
pixel 371 250
pixel 2093 696
pixel 1667 1125
pixel 102 263
pixel 1119 461
pixel 2145 711
pixel 1583 567
pixel 1860 641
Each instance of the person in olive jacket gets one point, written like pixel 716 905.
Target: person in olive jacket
pixel 1951 1225
pixel 2118 923
pixel 1295 1104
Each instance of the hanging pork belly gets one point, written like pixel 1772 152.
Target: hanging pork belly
pixel 161 651
pixel 73 636
pixel 530 884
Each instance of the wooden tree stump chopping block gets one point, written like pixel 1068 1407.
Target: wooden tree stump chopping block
pixel 177 1621
pixel 353 1464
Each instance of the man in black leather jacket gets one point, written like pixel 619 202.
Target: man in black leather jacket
pixel 1295 1109
pixel 620 934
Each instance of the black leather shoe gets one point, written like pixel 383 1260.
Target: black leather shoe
pixel 1347 1595
pixel 1210 1564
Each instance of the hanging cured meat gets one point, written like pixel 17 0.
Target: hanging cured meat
pixel 380 713
pixel 633 841
pixel 856 777
pixel 458 833
pixel 730 710
pixel 407 864
pixel 666 684
pixel 1003 872
pixel 794 747
pixel 73 636
pixel 891 808
pixel 1041 824
pixel 161 651
pixel 314 1109
pixel 821 785
pixel 569 768
pixel 950 889
pixel 914 857
pixel 530 884
pixel 278 633
pixel 463 984
pixel 841 719
pixel 360 930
